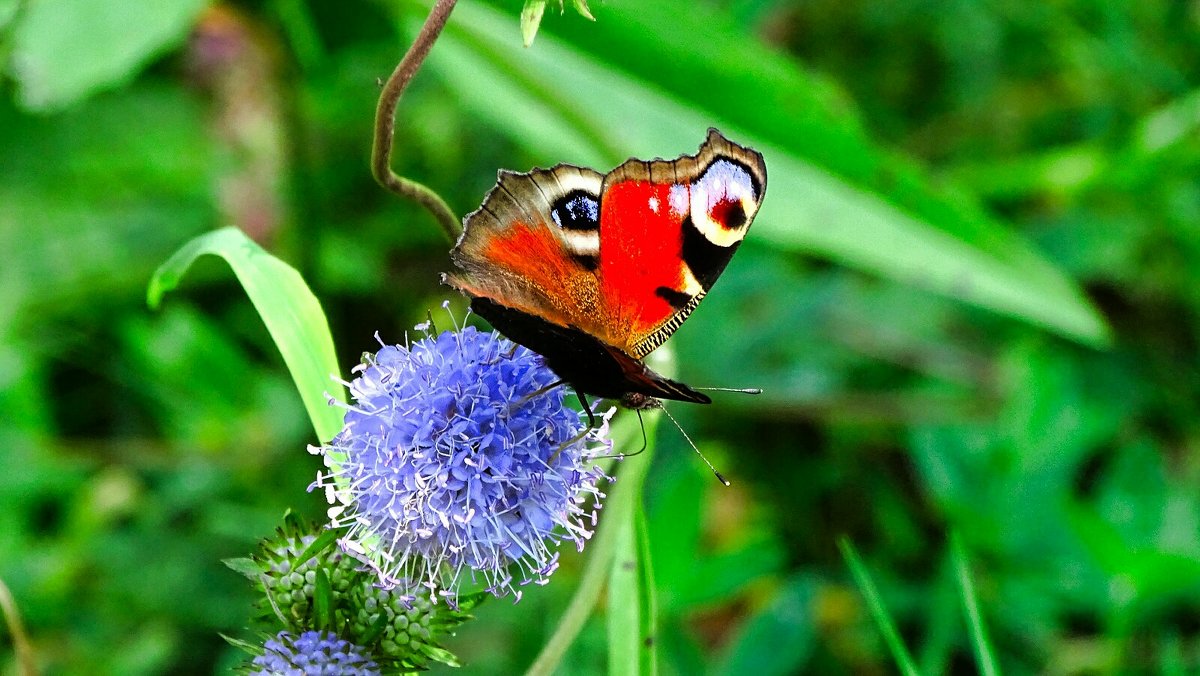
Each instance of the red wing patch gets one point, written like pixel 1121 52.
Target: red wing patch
pixel 667 231
pixel 641 256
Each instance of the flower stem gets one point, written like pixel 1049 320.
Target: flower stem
pixel 623 500
pixel 385 122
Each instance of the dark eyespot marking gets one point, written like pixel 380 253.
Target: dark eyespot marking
pixel 729 214
pixel 576 210
pixel 677 299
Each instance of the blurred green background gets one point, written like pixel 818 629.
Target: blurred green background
pixel 972 297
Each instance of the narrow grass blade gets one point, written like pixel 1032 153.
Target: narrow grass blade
pixel 891 636
pixel 985 657
pixel 291 312
pixel 624 610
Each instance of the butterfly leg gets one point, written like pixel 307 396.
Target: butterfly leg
pixel 645 441
pixel 536 393
pixel 508 354
pixel 586 409
pixel 590 426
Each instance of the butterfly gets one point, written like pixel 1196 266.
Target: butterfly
pixel 594 271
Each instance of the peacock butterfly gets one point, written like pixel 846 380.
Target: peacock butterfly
pixel 594 271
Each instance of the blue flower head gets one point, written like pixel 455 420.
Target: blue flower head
pixel 455 456
pixel 312 654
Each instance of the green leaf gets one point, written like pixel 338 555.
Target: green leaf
pixel 864 216
pixel 440 654
pixel 985 657
pixel 648 599
pixel 879 612
pixel 323 601
pixel 243 645
pixel 624 608
pixel 291 312
pixel 245 566
pixel 531 19
pixel 321 543
pixel 632 641
pixel 531 16
pixel 66 49
pixel 582 8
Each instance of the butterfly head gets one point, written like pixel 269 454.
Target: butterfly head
pixel 636 401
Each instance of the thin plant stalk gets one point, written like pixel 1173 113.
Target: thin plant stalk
pixel 385 123
pixel 891 636
pixel 984 656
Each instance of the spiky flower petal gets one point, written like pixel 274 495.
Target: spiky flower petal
pixel 457 455
pixel 312 654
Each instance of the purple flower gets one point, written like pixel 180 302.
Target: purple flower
pixel 454 456
pixel 311 654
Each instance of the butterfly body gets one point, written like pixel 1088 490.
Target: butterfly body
pixel 594 271
pixel 584 361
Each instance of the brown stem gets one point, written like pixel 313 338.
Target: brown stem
pixel 385 122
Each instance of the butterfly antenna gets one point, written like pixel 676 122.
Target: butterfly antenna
pixel 740 390
pixel 719 476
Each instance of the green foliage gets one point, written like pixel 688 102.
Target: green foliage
pixel 531 16
pixel 63 51
pixel 970 297
pixel 290 311
pixel 632 607
pixel 879 611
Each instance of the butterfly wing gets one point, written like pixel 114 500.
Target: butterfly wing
pixel 667 231
pixel 534 244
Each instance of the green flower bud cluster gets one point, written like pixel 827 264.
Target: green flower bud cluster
pixel 291 584
pixel 407 628
pixel 309 584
